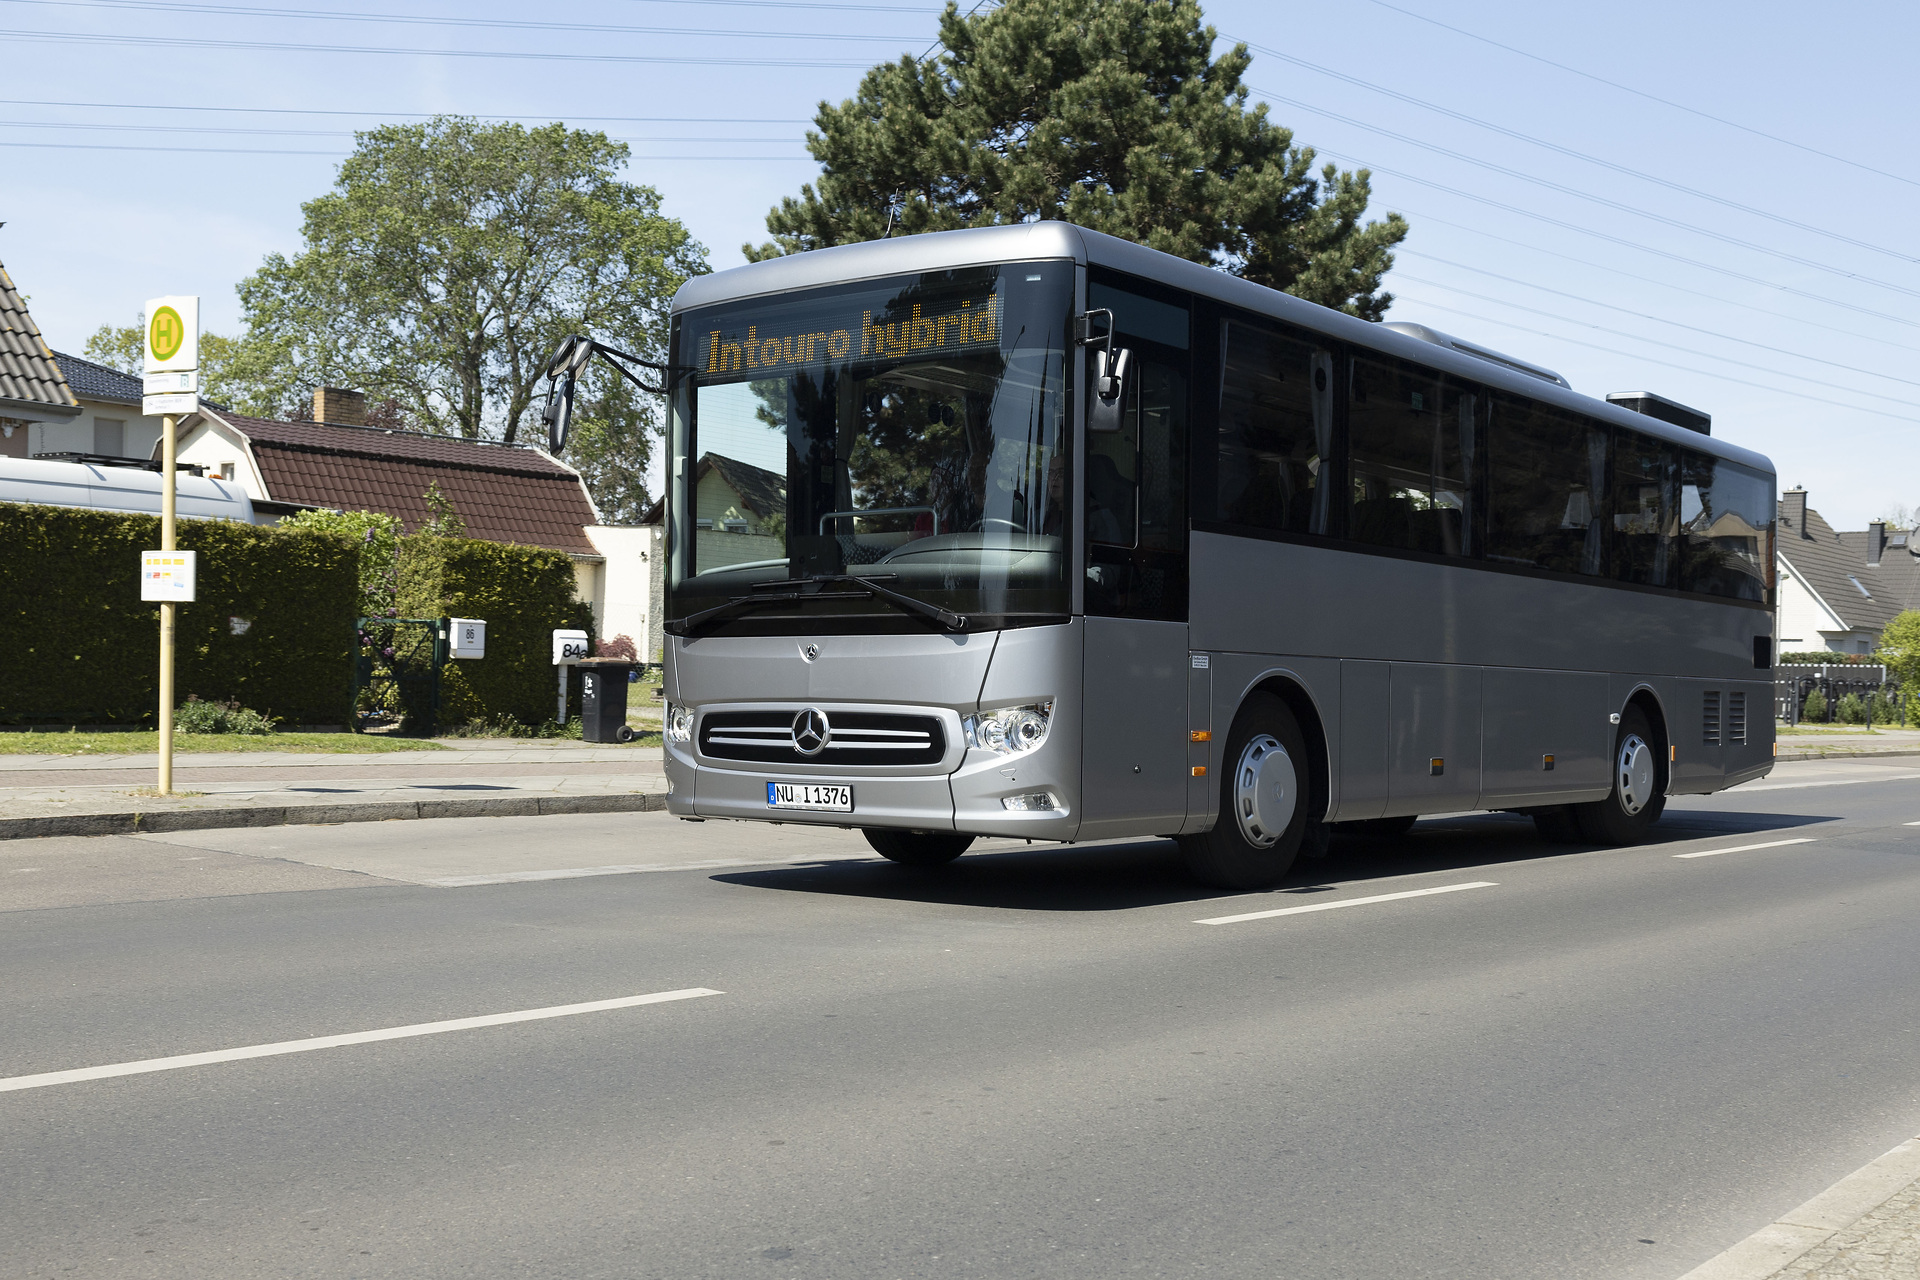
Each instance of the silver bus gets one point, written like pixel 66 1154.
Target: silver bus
pixel 1033 532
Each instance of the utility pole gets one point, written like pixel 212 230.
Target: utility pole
pixel 171 388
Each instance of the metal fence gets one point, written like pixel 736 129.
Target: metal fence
pixel 1793 684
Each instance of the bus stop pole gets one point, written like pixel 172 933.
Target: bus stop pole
pixel 168 440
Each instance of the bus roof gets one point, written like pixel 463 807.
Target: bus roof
pixel 1034 241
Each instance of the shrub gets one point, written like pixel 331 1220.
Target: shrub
pixel 1852 710
pixel 621 646
pixel 377 536
pixel 1815 708
pixel 524 593
pixel 272 628
pixel 195 716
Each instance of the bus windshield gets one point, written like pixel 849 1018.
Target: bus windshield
pixel 909 431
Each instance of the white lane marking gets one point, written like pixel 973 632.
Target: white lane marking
pixel 1912 824
pixel 1347 902
pixel 1793 1235
pixel 1747 787
pixel 1743 848
pixel 46 1078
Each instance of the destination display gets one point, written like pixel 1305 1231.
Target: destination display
pixel 849 328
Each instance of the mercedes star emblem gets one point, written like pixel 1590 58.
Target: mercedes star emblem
pixel 811 732
pixel 810 652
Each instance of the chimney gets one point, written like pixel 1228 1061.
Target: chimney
pixel 1793 512
pixel 339 406
pixel 1876 541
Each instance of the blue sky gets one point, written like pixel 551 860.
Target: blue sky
pixel 1628 242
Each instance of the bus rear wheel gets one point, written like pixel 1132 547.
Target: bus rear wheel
pixel 1262 823
pixel 917 848
pixel 1639 786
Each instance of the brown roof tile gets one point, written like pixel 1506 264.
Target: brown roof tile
pixel 503 493
pixel 28 375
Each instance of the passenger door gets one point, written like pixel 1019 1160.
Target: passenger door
pixel 1135 744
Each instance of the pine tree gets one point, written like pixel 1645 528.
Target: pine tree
pixel 1107 113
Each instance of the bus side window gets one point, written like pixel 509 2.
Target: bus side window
pixel 1276 426
pixel 1645 518
pixel 1726 515
pixel 1547 477
pixel 1411 451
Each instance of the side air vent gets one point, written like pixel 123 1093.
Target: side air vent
pixel 1737 717
pixel 1710 717
pixel 1425 333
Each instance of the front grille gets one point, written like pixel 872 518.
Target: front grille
pixel 1737 717
pixel 858 737
pixel 1710 718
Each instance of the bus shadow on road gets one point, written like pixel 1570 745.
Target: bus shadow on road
pixel 1123 875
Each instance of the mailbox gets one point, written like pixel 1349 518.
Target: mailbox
pixel 569 647
pixel 467 638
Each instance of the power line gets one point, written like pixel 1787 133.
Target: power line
pixel 1622 241
pixel 410 115
pixel 249 11
pixel 307 133
pixel 1641 93
pixel 266 46
pixel 1422 218
pixel 1663 344
pixel 1614 351
pixel 257 151
pixel 1642 315
pixel 1902 255
pixel 1604 201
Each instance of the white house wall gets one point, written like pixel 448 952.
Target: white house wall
pixel 1805 620
pixel 625 598
pixel 213 445
pixel 76 435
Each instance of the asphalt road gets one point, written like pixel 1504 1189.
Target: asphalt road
pixel 1609 1063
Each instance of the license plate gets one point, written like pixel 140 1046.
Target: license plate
pixel 809 795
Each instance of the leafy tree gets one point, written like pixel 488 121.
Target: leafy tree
pixel 378 535
pixel 1900 651
pixel 442 520
pixel 1107 113
pixel 1815 709
pixel 125 348
pixel 450 258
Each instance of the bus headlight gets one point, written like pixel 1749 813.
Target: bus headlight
pixel 1010 730
pixel 679 723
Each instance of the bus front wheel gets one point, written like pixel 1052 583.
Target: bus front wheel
pixel 917 848
pixel 1263 819
pixel 1639 786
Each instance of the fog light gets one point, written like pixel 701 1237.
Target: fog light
pixel 1032 802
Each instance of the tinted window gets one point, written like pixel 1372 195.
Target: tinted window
pixel 1547 475
pixel 1411 439
pixel 1276 426
pixel 1644 519
pixel 1726 524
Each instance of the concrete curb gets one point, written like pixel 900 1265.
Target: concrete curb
pixel 1844 753
pixel 1781 1242
pixel 120 824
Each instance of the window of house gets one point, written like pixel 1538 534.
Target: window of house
pixel 1412 441
pixel 1276 429
pixel 110 437
pixel 226 471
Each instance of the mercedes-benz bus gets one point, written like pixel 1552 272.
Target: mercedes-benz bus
pixel 1033 532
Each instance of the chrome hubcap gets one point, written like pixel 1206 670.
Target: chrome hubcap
pixel 1634 773
pixel 1264 787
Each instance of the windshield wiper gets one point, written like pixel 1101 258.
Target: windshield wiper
pixel 795 590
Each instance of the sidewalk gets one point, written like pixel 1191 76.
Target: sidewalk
pixel 1864 1227
pixel 99 794
pixel 1820 744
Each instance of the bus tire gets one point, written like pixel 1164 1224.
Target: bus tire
pixel 1262 821
pixel 917 848
pixel 1639 786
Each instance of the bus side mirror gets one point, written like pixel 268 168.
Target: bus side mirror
pixel 558 415
pixel 1112 370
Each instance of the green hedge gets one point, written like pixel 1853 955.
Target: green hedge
pixel 78 646
pixel 523 593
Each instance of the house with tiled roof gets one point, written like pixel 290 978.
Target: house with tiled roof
pixel 502 492
pixel 109 424
pixel 1837 591
pixel 33 391
pixel 735 498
